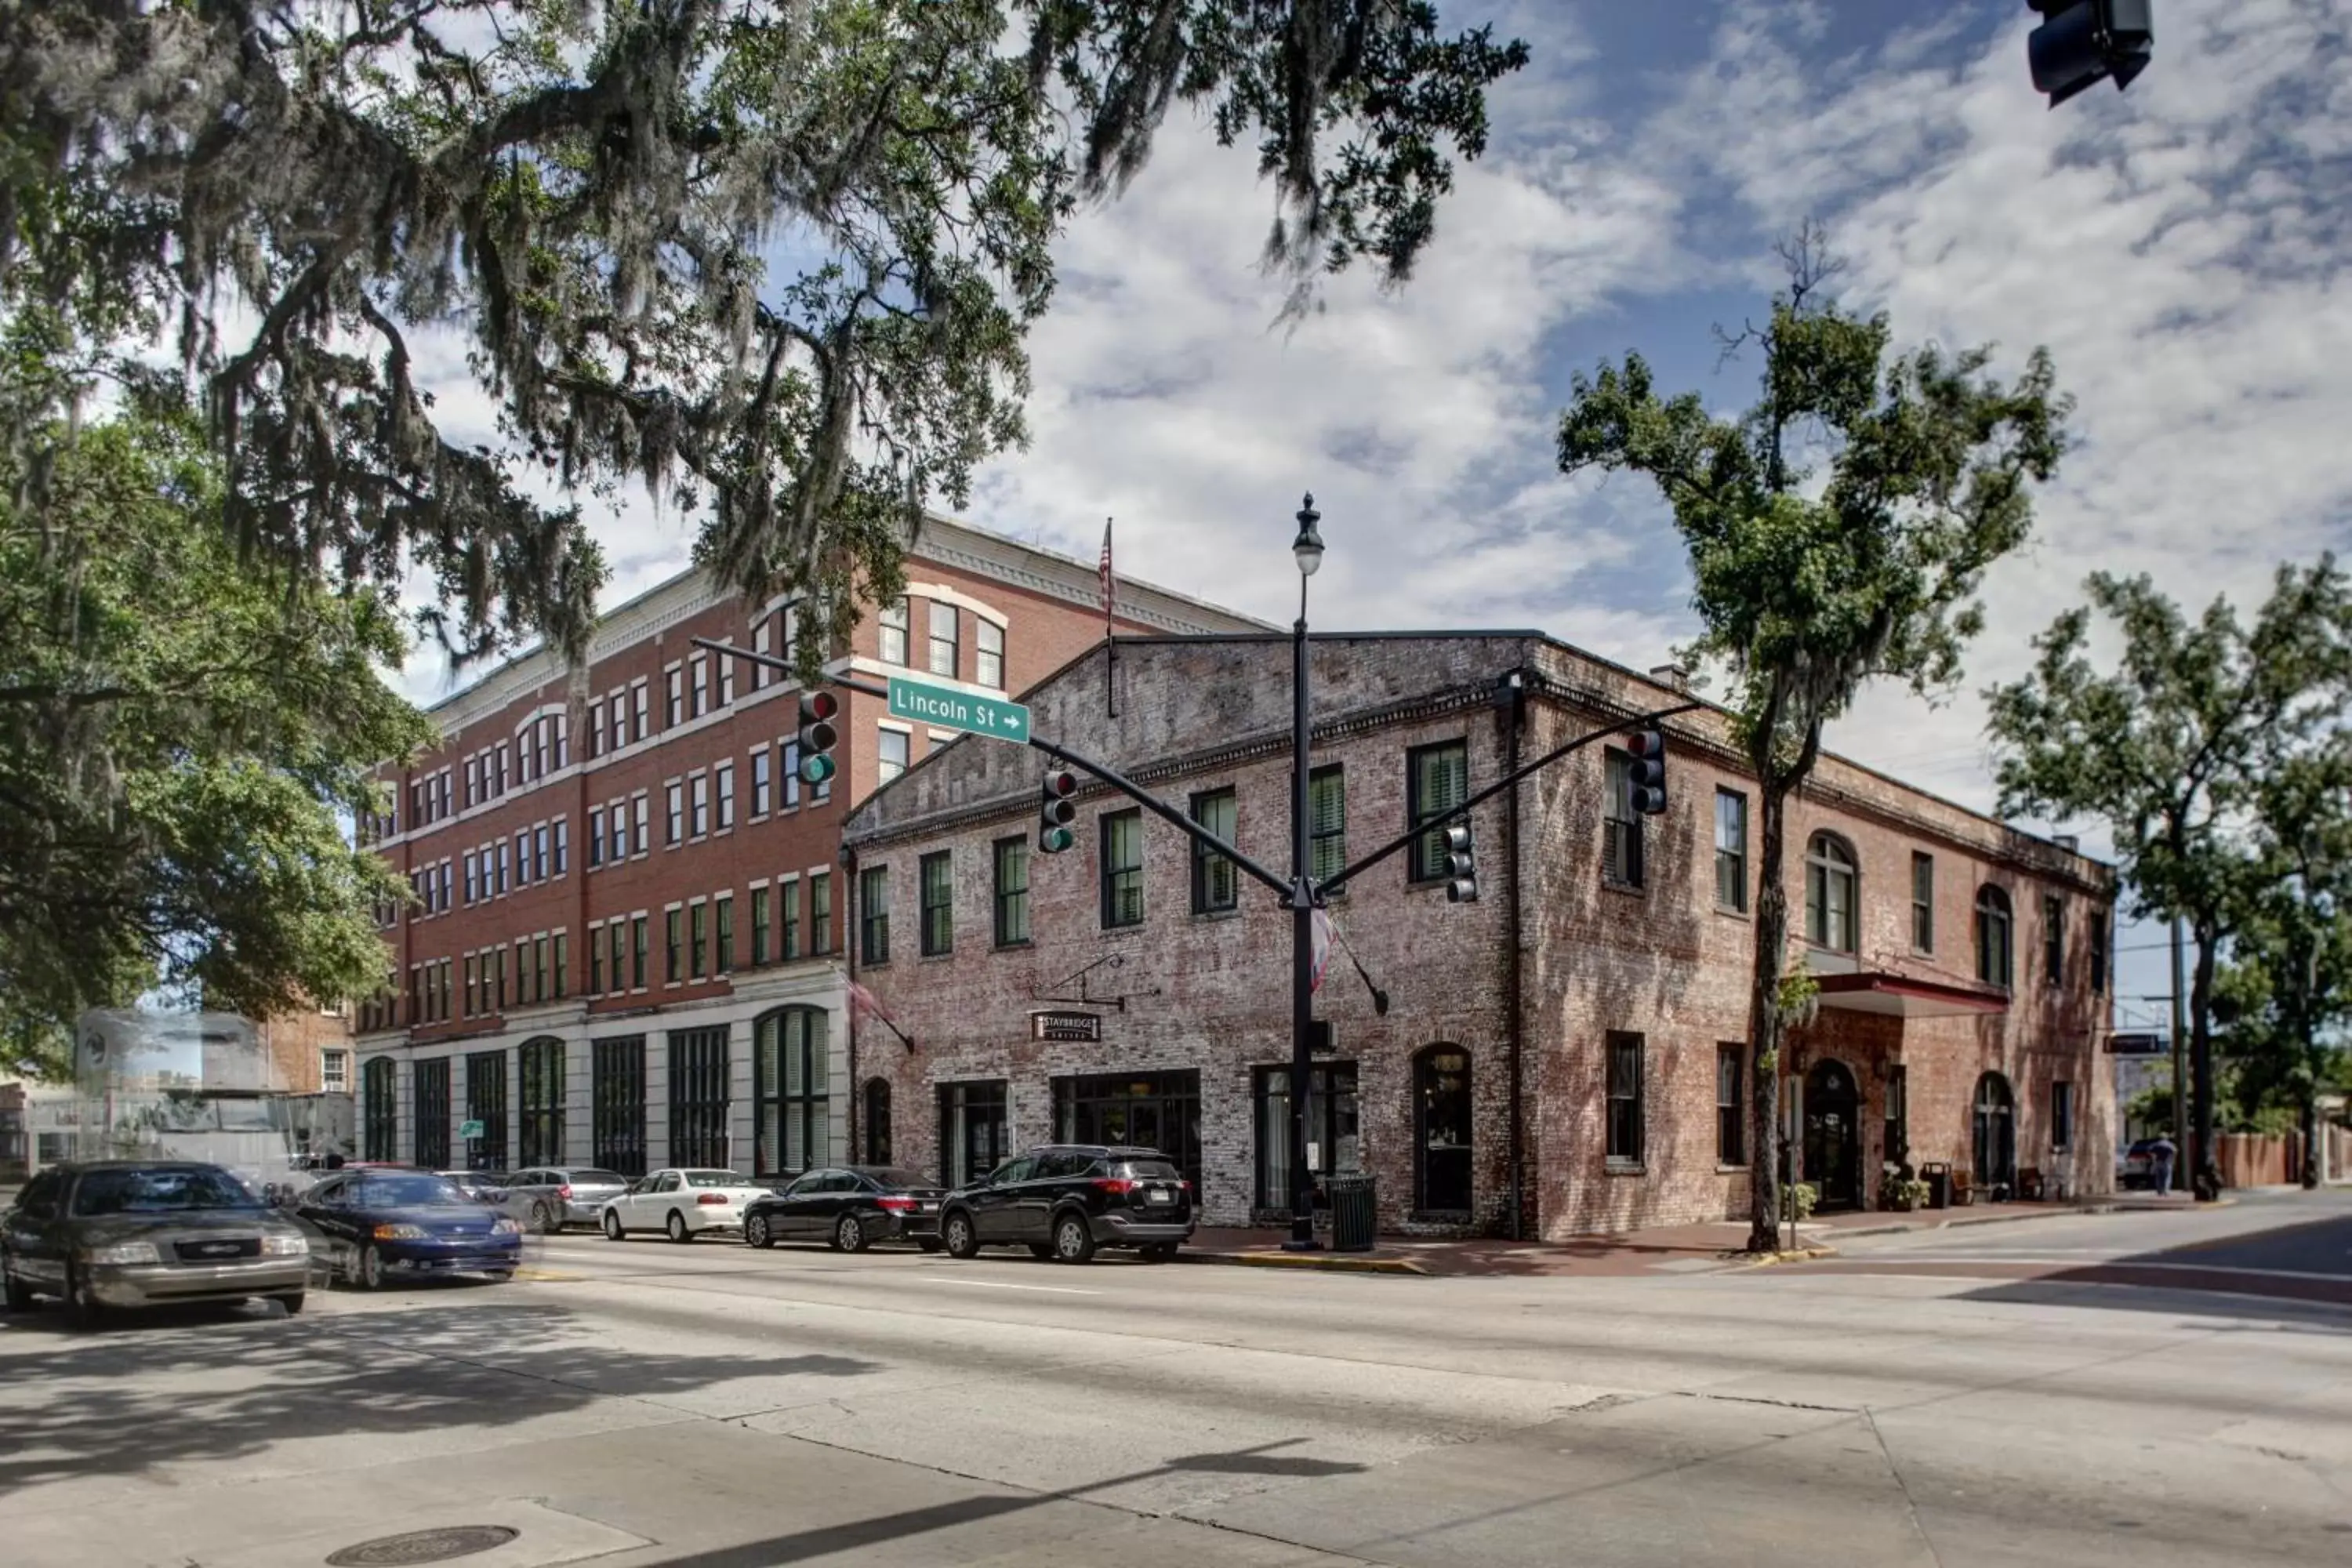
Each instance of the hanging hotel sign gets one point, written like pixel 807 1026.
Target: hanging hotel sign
pixel 1074 1027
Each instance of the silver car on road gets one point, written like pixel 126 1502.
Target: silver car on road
pixel 140 1233
pixel 548 1198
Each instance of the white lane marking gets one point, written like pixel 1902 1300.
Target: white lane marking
pixel 2094 1263
pixel 999 1285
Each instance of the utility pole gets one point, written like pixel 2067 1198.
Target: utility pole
pixel 2181 1133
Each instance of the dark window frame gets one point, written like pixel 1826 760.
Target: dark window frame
pixel 2053 941
pixel 1730 1104
pixel 966 1105
pixel 1731 860
pixel 1623 857
pixel 617 1104
pixel 486 1102
pixel 1923 901
pixel 1427 862
pixel 1628 1128
pixel 1326 842
pixel 1117 881
pixel 1010 905
pixel 1830 859
pixel 700 1104
pixel 539 1065
pixel 792 1091
pixel 1996 919
pixel 379 1108
pixel 935 904
pixel 430 1093
pixel 874 916
pixel 1216 879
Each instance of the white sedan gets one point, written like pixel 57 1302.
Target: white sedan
pixel 683 1203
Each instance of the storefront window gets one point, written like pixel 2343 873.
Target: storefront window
pixel 1146 1110
pixel 1333 1145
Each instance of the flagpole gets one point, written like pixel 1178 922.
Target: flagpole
pixel 1110 628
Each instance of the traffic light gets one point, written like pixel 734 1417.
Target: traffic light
pixel 818 735
pixel 2081 41
pixel 1461 865
pixel 1647 776
pixel 1056 811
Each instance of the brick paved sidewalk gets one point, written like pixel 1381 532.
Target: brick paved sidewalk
pixel 1660 1249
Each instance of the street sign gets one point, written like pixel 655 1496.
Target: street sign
pixel 949 709
pixel 1077 1027
pixel 469 1129
pixel 2137 1045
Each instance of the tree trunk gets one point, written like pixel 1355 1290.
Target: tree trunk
pixel 2204 1171
pixel 2310 1170
pixel 1764 1025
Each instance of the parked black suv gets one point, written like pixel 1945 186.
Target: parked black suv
pixel 1064 1200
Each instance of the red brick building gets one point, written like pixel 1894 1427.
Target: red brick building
pixel 1569 1045
pixel 623 948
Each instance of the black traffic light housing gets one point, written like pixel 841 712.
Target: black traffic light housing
pixel 1648 773
pixel 1461 865
pixel 818 735
pixel 1056 811
pixel 2082 42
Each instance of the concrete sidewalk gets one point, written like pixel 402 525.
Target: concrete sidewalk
pixel 1658 1249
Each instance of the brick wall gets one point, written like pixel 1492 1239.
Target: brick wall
pixel 1211 992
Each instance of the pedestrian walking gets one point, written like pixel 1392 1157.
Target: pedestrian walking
pixel 2160 1155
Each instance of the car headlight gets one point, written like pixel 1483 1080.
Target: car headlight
pixel 503 1226
pixel 285 1245
pixel 124 1252
pixel 400 1233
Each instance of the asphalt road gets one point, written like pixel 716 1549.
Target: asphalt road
pixel 708 1407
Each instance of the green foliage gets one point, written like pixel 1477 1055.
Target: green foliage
pixel 1804 1197
pixel 2214 752
pixel 179 735
pixel 774 259
pixel 1838 532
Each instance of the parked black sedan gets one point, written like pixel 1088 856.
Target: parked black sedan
pixel 851 1205
pixel 380 1224
pixel 131 1233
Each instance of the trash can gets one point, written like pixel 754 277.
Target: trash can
pixel 1353 1213
pixel 1938 1177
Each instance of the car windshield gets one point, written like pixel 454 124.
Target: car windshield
pixel 895 1177
pixel 170 1189
pixel 402 1192
pixel 599 1179
pixel 715 1179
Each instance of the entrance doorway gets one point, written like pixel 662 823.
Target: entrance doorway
pixel 1996 1133
pixel 1834 1135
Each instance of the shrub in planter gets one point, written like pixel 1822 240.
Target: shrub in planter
pixel 1802 1198
pixel 1902 1193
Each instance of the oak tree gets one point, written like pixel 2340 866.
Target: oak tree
pixel 1837 534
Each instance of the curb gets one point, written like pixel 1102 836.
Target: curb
pixel 1797 1255
pixel 1995 1219
pixel 1329 1262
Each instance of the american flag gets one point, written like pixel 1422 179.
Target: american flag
pixel 1105 573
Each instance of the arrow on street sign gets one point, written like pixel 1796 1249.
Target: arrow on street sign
pixel 947 708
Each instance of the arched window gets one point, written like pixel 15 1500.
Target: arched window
pixel 1441 1078
pixel 1995 1141
pixel 1833 909
pixel 877 1121
pixel 1996 964
pixel 789 1074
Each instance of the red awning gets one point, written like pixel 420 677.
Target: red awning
pixel 1905 997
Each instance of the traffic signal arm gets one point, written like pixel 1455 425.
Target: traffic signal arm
pixel 789 668
pixel 1462 811
pixel 1158 808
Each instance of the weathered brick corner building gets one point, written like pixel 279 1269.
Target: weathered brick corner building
pixel 1571 1044
pixel 625 944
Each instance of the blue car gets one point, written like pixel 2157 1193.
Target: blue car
pixel 375 1225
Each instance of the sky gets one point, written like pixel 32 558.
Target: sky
pixel 2176 248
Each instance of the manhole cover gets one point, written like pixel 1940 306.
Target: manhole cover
pixel 423 1546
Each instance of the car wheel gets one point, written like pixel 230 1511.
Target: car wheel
pixel 849 1235
pixel 960 1238
pixel 927 1243
pixel 541 1221
pixel 369 1273
pixel 292 1302
pixel 677 1231
pixel 20 1295
pixel 755 1232
pixel 83 1310
pixel 1042 1250
pixel 613 1231
pixel 1160 1252
pixel 1073 1242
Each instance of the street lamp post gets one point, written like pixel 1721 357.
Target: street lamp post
pixel 1308 549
